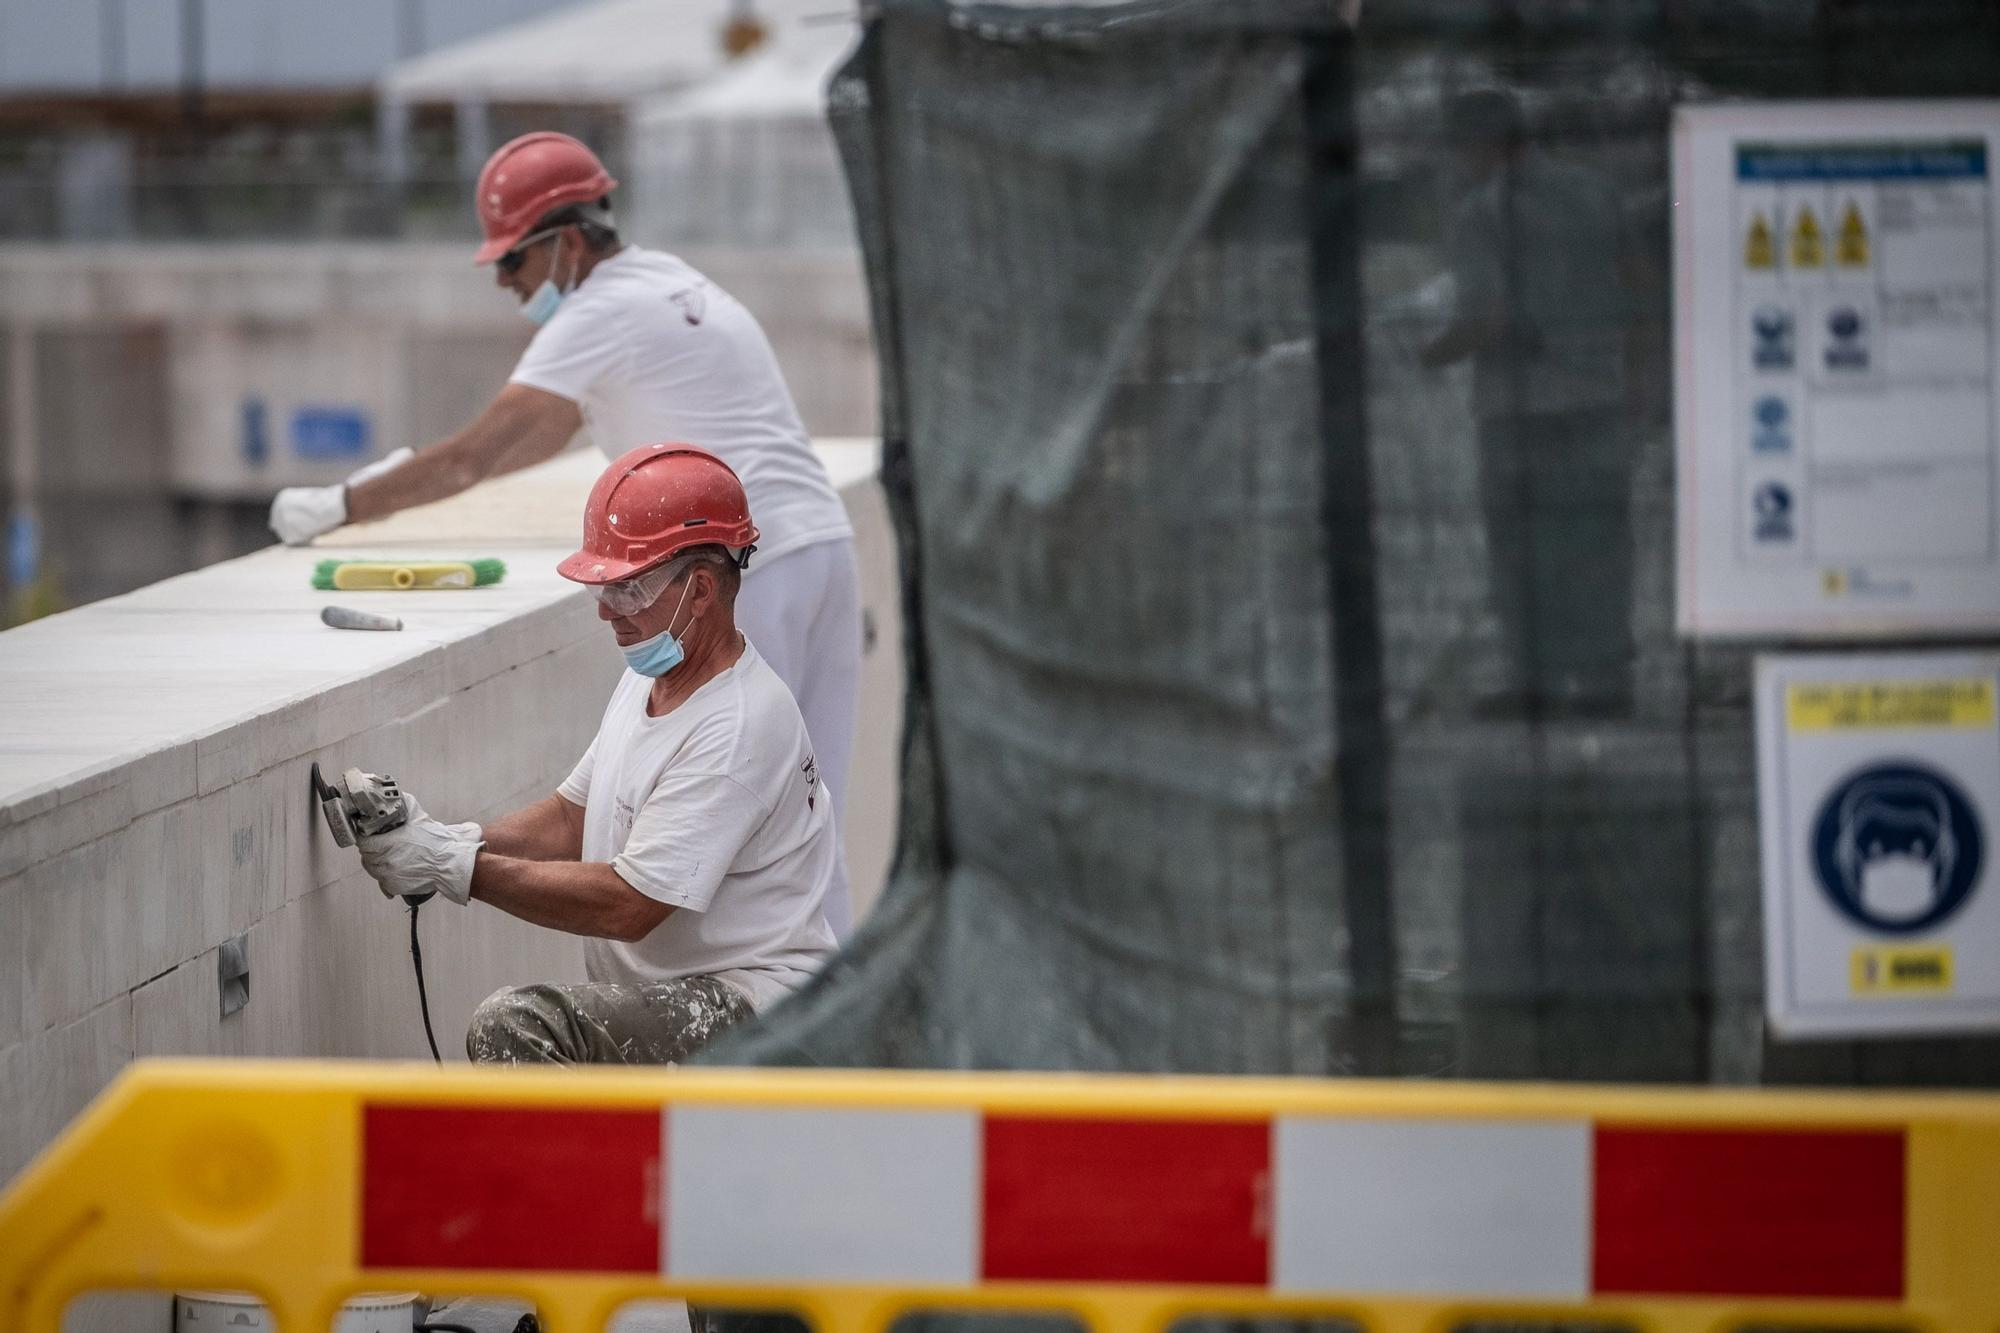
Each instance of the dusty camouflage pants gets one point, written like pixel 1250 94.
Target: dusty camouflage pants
pixel 661 1023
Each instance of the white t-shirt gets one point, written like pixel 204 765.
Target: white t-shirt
pixel 716 808
pixel 652 352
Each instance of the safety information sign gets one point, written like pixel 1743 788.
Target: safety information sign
pixel 1836 367
pixel 1878 796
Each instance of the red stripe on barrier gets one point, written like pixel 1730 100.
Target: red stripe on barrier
pixel 538 1190
pixel 1749 1212
pixel 1126 1200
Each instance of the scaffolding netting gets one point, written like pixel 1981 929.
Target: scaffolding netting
pixel 1277 427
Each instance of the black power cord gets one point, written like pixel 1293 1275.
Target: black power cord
pixel 417 959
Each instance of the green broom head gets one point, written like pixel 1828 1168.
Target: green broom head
pixel 484 572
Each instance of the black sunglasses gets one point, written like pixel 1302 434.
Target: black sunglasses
pixel 510 263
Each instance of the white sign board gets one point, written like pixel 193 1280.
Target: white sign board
pixel 1878 793
pixel 1835 368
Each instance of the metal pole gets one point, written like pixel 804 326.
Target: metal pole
pixel 409 28
pixel 111 43
pixel 392 130
pixel 474 130
pixel 24 541
pixel 1361 726
pixel 192 173
pixel 193 69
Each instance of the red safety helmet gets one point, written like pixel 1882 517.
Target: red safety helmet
pixel 653 503
pixel 528 178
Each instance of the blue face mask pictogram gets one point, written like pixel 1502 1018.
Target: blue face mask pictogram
pixel 1897 848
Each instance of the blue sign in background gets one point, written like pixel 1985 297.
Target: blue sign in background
pixel 24 549
pixel 331 433
pixel 256 432
pixel 1883 161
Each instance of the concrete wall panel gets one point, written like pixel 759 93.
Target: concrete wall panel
pixel 120 908
pixel 13 963
pixel 51 1076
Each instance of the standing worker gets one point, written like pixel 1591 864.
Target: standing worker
pixel 639 347
pixel 692 844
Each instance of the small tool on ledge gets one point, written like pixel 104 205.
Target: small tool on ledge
pixel 341 617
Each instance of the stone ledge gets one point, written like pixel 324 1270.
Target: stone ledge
pixel 153 798
pixel 130 704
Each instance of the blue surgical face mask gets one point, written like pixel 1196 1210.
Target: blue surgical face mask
pixel 541 306
pixel 656 656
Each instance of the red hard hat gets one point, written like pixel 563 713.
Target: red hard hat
pixel 652 504
pixel 529 177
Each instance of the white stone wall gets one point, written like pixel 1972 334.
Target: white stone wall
pixel 154 751
pixel 122 887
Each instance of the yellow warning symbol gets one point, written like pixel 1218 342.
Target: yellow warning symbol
pixel 1808 242
pixel 1850 248
pixel 1760 248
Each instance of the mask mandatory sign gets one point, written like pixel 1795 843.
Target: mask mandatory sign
pixel 1879 788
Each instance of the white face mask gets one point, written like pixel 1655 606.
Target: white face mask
pixel 1897 886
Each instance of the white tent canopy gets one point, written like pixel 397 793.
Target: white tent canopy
pixel 787 77
pixel 745 158
pixel 612 51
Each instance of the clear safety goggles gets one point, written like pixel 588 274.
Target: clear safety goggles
pixel 510 263
pixel 628 597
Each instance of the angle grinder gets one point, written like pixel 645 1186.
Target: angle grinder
pixel 362 805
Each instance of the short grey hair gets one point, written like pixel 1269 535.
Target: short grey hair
pixel 594 219
pixel 727 564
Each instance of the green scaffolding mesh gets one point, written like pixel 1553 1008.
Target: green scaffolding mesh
pixel 1277 426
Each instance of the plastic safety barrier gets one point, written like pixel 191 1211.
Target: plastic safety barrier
pixel 851 1198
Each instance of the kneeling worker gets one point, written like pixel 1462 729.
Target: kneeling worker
pixel 693 842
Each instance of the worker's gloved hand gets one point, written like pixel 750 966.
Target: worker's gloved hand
pixel 301 513
pixel 425 855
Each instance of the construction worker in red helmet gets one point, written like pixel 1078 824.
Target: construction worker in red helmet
pixel 692 845
pixel 637 347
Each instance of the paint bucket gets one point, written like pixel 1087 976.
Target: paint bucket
pixel 233 1312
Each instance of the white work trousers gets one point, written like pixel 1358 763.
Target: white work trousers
pixel 803 611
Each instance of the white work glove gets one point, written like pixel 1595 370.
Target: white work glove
pixel 425 855
pixel 301 513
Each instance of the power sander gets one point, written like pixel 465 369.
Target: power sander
pixel 362 805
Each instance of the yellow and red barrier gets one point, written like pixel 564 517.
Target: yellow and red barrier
pixel 854 1197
